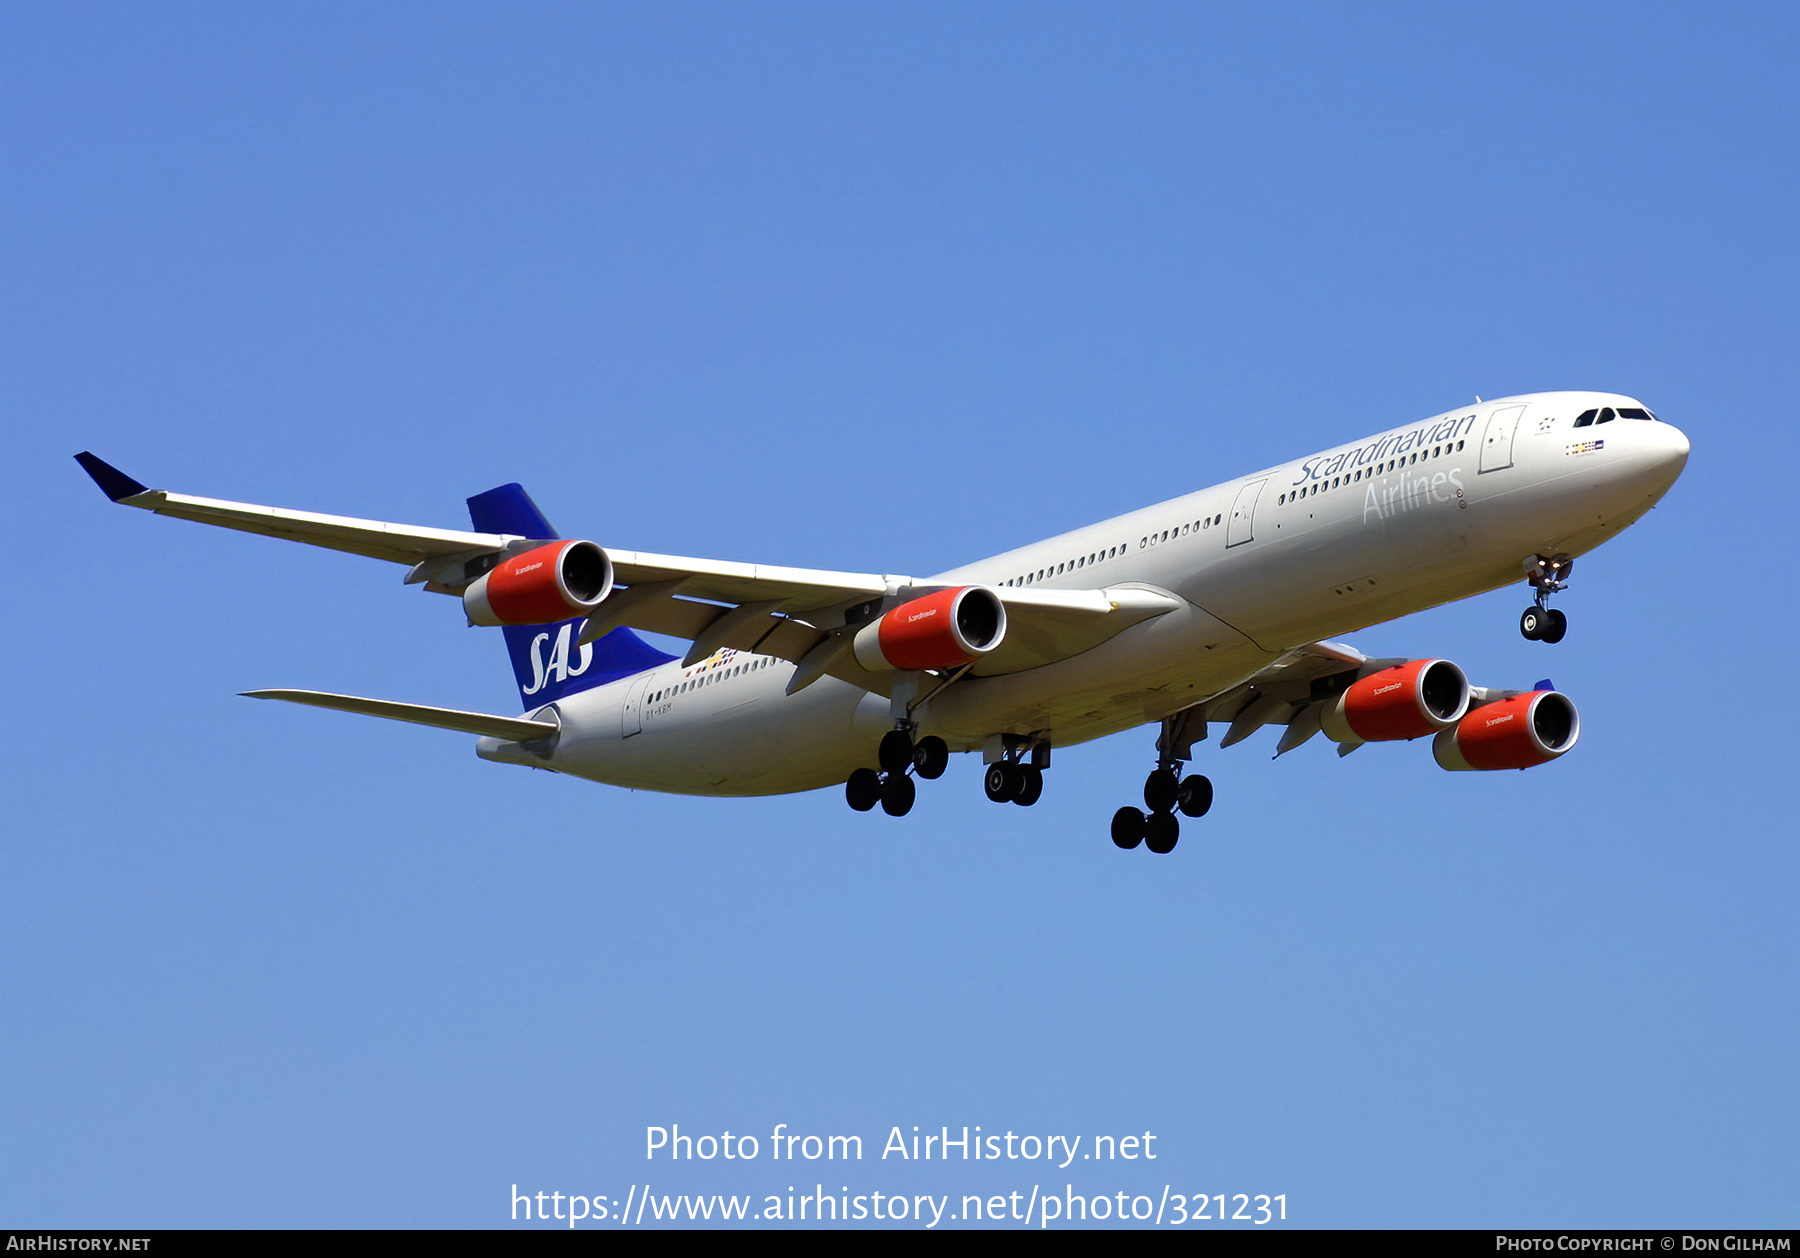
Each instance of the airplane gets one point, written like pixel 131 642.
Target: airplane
pixel 1216 608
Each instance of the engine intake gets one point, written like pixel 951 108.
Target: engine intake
pixel 541 586
pixel 1515 733
pixel 943 630
pixel 1410 700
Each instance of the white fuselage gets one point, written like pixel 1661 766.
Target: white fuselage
pixel 1399 522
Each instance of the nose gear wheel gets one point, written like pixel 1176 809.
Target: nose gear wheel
pixel 1546 575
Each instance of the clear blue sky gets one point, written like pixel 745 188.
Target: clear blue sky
pixel 878 287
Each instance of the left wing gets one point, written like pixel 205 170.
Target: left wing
pixel 806 615
pixel 397 543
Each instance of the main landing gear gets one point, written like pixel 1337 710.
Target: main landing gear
pixel 890 786
pixel 1546 575
pixel 1166 792
pixel 1012 780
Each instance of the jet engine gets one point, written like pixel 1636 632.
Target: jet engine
pixel 1408 701
pixel 1515 733
pixel 943 630
pixel 542 586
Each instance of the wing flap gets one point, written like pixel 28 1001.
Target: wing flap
pixel 1044 626
pixel 724 581
pixel 396 543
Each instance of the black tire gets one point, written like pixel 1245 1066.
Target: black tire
pixel 896 753
pixel 999 782
pixel 1558 626
pixel 897 795
pixel 931 757
pixel 1127 828
pixel 1031 785
pixel 1532 622
pixel 1196 795
pixel 1161 789
pixel 1161 832
pixel 863 790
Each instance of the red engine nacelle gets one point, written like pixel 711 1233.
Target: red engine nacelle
pixel 1409 701
pixel 541 586
pixel 943 630
pixel 1514 733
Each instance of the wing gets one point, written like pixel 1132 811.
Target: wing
pixel 397 543
pixel 1294 692
pixel 805 615
pixel 774 616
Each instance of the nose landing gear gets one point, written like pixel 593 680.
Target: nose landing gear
pixel 1546 575
pixel 890 786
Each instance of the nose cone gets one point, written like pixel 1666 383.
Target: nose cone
pixel 1650 455
pixel 1665 451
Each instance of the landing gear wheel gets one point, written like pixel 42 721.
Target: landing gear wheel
pixel 1558 626
pixel 897 795
pixel 1195 796
pixel 931 757
pixel 1031 785
pixel 1161 789
pixel 896 752
pixel 1127 828
pixel 1161 830
pixel 1001 782
pixel 863 790
pixel 1532 623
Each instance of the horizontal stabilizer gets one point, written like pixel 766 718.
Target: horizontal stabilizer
pixel 512 729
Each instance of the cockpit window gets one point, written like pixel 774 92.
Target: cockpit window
pixel 1608 414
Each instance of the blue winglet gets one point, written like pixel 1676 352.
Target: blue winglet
pixel 1545 684
pixel 113 483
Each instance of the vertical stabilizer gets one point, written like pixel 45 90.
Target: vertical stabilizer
pixel 547 663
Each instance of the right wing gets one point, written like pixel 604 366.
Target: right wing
pixel 1293 691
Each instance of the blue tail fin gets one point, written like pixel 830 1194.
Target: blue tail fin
pixel 546 662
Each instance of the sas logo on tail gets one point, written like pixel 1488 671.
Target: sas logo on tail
pixel 557 666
